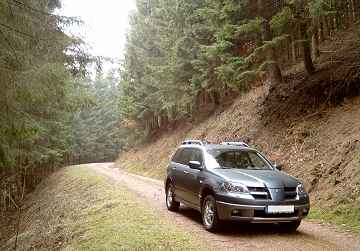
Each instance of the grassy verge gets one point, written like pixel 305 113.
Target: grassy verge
pixel 78 210
pixel 347 216
pixel 118 220
pixel 140 169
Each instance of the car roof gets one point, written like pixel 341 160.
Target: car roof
pixel 216 147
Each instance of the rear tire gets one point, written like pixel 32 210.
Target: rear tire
pixel 290 227
pixel 171 203
pixel 209 214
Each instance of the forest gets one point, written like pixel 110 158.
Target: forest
pixel 182 57
pixel 54 110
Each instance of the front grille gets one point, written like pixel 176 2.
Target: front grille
pixel 260 193
pixel 290 193
pixel 257 189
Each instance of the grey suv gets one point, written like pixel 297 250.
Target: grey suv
pixel 231 181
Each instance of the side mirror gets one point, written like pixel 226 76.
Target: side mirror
pixel 279 166
pixel 195 165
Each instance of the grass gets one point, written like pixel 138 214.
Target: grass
pixel 119 221
pixel 76 209
pixel 347 216
pixel 143 170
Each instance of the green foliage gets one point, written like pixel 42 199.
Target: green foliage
pixel 282 22
pixel 179 53
pixel 96 129
pixel 35 84
pixel 318 8
pixel 180 50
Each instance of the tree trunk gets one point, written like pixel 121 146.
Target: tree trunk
pixel 293 49
pixel 215 97
pixel 306 49
pixel 347 14
pixel 337 20
pixel 274 69
pixel 328 26
pixel 315 43
pixel 356 4
pixel 353 10
pixel 321 31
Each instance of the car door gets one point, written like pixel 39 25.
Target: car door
pixel 175 167
pixel 194 179
pixel 181 170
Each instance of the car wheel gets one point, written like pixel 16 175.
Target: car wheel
pixel 209 214
pixel 171 203
pixel 290 227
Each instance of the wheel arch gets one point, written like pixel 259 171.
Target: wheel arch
pixel 168 181
pixel 205 191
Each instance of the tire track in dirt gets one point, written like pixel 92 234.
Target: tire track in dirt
pixel 235 236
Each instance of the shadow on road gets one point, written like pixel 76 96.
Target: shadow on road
pixel 231 228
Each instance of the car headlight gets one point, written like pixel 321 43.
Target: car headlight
pixel 234 188
pixel 301 189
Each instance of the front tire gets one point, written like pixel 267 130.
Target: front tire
pixel 171 203
pixel 290 227
pixel 209 214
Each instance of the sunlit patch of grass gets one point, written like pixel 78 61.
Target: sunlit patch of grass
pixel 116 220
pixel 347 216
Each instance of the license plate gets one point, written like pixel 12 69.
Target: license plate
pixel 280 209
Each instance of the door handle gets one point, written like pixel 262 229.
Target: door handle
pixel 173 168
pixel 186 172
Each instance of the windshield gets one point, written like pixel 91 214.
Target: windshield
pixel 239 159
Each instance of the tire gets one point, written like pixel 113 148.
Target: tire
pixel 290 227
pixel 209 214
pixel 171 203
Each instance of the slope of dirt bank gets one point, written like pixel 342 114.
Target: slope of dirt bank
pixel 311 124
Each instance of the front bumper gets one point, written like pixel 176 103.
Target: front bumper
pixel 257 213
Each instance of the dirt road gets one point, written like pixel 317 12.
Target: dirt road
pixel 310 236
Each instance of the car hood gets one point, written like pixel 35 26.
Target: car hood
pixel 258 178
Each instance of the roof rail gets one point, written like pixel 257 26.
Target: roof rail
pixel 194 142
pixel 235 144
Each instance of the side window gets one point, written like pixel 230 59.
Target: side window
pixel 177 156
pixel 197 155
pixel 185 156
